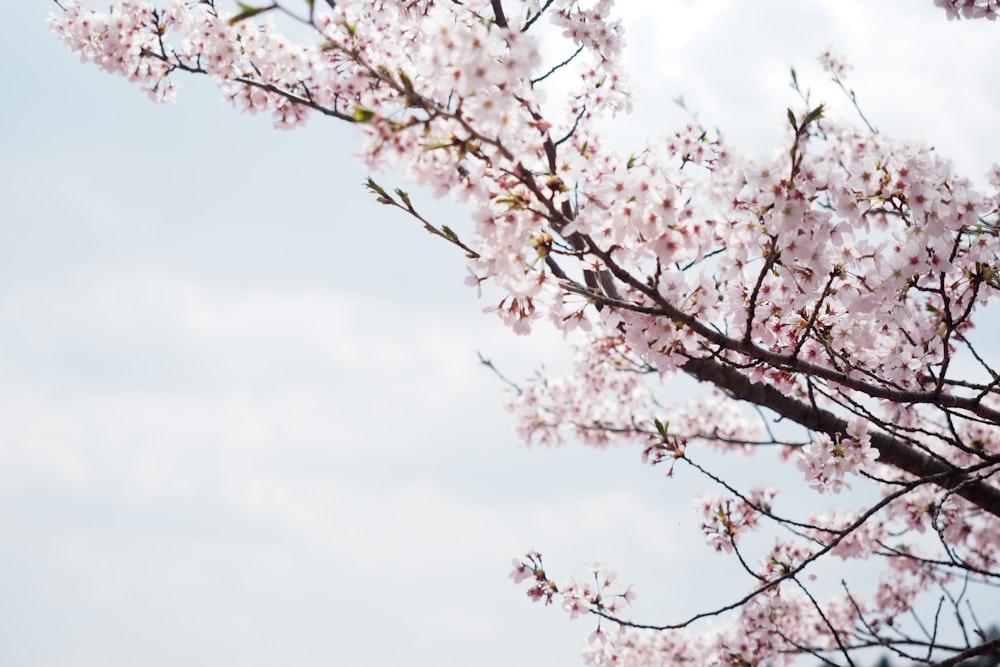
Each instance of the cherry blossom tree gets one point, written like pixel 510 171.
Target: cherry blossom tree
pixel 825 296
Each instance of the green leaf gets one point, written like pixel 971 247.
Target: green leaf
pixel 363 115
pixel 813 116
pixel 372 186
pixel 383 196
pixel 248 11
pixel 407 84
pixel 404 196
pixel 792 121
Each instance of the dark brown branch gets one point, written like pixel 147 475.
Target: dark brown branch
pixel 772 257
pixel 990 648
pixel 782 361
pixel 556 68
pixel 498 14
pixel 891 451
pixel 790 574
pixel 176 63
pixel 537 16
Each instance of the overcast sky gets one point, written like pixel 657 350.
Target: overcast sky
pixel 241 416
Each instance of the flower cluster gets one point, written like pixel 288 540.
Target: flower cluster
pixel 848 540
pixel 119 40
pixel 726 519
pixel 826 461
pixel 834 64
pixel 599 403
pixel 970 9
pixel 596 594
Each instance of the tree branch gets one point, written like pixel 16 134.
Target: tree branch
pixel 498 14
pixel 990 648
pixel 891 451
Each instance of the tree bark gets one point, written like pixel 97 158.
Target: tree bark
pixel 891 450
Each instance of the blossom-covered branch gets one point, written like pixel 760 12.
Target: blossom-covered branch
pixel 834 285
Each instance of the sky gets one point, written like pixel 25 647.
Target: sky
pixel 242 419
